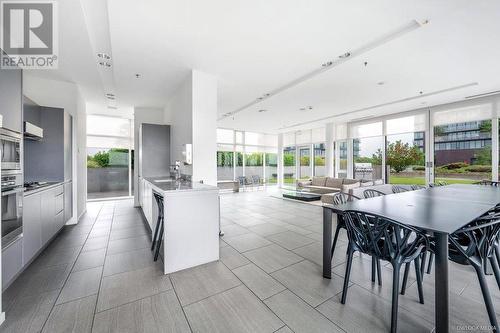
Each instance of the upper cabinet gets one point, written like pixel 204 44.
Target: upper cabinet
pixel 11 99
pixel 49 159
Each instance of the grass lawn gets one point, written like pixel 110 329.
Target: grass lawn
pixel 421 181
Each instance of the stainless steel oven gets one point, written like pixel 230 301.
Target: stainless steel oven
pixel 10 145
pixel 12 208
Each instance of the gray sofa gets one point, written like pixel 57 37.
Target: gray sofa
pixel 324 185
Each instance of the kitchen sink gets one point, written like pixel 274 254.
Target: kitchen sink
pixel 164 181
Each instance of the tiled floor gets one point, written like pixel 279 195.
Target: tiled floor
pixel 99 276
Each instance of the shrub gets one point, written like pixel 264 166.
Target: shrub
pixel 419 168
pixel 455 165
pixel 91 164
pixel 479 168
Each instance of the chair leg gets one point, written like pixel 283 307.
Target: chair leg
pixel 496 269
pixel 347 275
pixel 419 281
pixel 423 256
pixel 429 265
pixel 337 231
pixel 497 253
pixel 156 233
pixel 486 296
pixel 374 268
pixel 160 237
pixel 395 296
pixel 379 273
pixel 405 278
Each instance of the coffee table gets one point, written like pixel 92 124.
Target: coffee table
pixel 302 196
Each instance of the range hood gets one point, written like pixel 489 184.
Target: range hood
pixel 32 132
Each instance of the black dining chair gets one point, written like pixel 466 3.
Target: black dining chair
pixel 398 189
pixel 160 226
pixel 475 245
pixel 340 198
pixel 371 193
pixel 416 187
pixel 487 183
pixel 387 240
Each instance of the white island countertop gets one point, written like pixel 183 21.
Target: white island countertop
pixel 191 221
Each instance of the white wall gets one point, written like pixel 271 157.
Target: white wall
pixel 65 95
pixel 192 112
pixel 143 116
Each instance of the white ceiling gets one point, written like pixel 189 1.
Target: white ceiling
pixel 255 47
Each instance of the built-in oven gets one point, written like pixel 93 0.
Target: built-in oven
pixel 10 145
pixel 12 208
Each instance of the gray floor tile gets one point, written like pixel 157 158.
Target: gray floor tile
pixel 284 329
pixel 28 314
pixel 75 316
pixel 247 242
pixel 129 244
pixel 364 309
pixel 158 313
pixel 127 261
pixel 298 315
pixel 95 244
pixel 234 230
pixel 235 310
pixel 306 280
pixel 55 257
pixel 67 241
pixel 314 253
pixel 232 258
pixel 130 286
pixel 290 240
pixel 258 281
pixel 90 259
pixel 127 233
pixel 99 232
pixel 81 284
pixel 196 283
pixel 272 257
pixel 267 229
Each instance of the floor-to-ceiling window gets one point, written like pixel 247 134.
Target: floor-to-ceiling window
pixel 225 162
pixel 405 150
pixel 305 162
pixel 341 151
pixel 109 157
pixel 271 167
pixel 254 162
pixel 462 145
pixel 367 150
pixel 289 165
pixel 319 159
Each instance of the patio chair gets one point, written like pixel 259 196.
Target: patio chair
pixel 256 180
pixel 340 198
pixel 371 193
pixel 416 187
pixel 398 189
pixel 243 182
pixel 387 240
pixel 487 183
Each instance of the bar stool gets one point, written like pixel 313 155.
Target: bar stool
pixel 157 238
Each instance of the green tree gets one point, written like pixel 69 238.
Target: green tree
pixel 483 156
pixel 100 158
pixel 402 155
pixel 319 161
pixel 289 159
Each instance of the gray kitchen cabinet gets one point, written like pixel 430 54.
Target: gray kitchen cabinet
pixel 12 262
pixel 11 99
pixel 68 201
pixel 32 228
pixel 47 214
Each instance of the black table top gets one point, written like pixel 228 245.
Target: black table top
pixel 441 209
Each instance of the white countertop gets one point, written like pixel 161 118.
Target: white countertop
pixel 168 184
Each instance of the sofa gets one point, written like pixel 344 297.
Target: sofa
pixel 323 185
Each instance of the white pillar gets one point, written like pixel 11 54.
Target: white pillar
pixel 280 160
pixel 494 144
pixel 329 158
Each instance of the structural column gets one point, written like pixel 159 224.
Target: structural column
pixel 280 160
pixel 330 158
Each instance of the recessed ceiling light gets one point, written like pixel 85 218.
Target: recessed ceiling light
pixel 345 55
pixel 326 64
pixel 262 110
pixel 104 56
pixel 381 83
pixel 105 64
pixel 112 107
pixel 137 75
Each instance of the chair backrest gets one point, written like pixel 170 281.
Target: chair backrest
pixel 487 183
pixel 256 179
pixel 441 183
pixel 242 180
pixel 371 193
pixel 384 238
pixel 398 189
pixel 416 187
pixel 479 238
pixel 159 202
pixel 340 198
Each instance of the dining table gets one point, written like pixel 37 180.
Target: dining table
pixel 439 211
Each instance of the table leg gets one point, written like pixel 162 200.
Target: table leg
pixel 441 283
pixel 327 243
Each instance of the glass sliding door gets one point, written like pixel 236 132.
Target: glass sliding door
pixel 462 152
pixel 341 146
pixel 107 173
pixel 225 162
pixel 305 162
pixel 271 168
pixel 319 159
pixel 405 158
pixel 254 162
pixel 367 158
pixel 289 166
pixel 239 168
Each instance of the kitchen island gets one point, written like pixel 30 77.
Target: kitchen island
pixel 191 233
